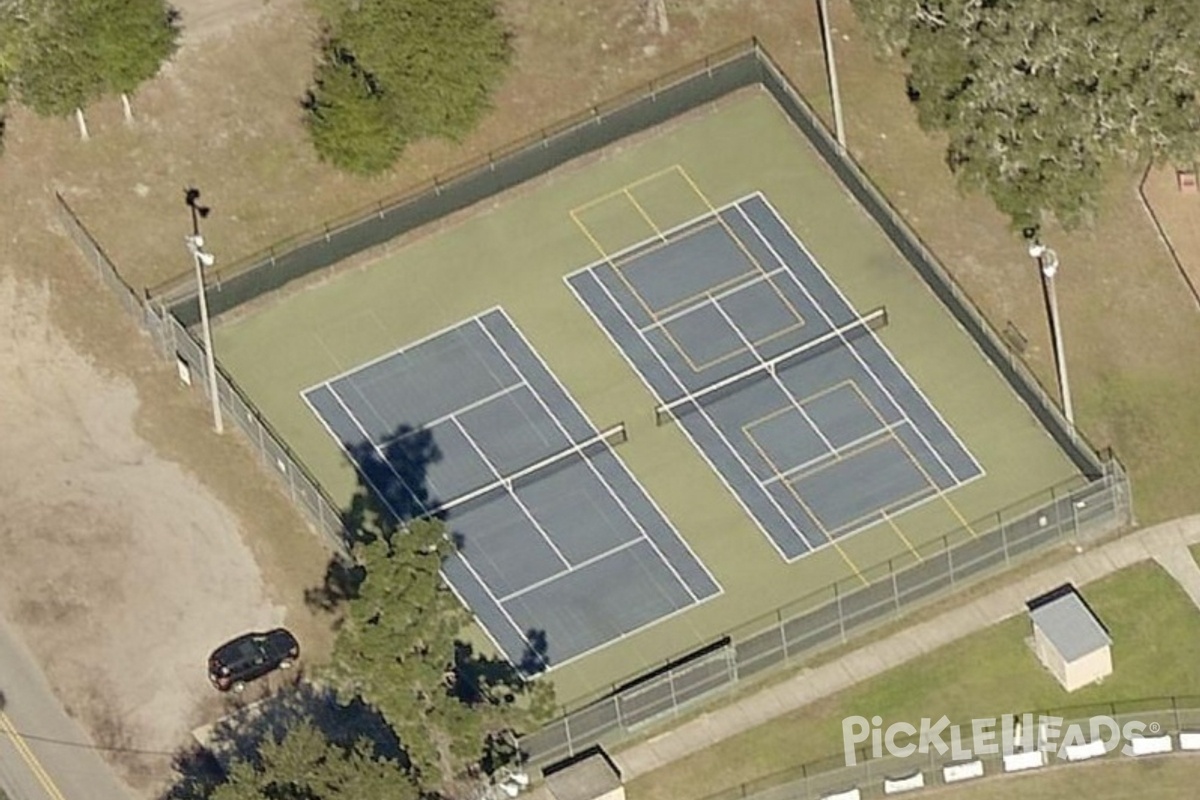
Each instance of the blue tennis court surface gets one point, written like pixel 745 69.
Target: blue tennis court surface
pixel 779 382
pixel 561 551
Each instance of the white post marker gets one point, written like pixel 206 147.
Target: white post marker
pixel 1047 261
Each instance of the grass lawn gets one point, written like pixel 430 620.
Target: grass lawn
pixel 985 675
pixel 1171 778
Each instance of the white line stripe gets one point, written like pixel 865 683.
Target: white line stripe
pixel 737 495
pixel 587 562
pixel 894 361
pixel 693 398
pixel 760 277
pixel 507 481
pixel 847 342
pixel 499 607
pixel 787 393
pixel 512 493
pixel 453 415
pixel 592 467
pixel 701 223
pixel 835 453
pixel 382 457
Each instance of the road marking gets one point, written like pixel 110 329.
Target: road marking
pixel 35 766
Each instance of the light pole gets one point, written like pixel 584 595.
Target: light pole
pixel 1047 261
pixel 202 259
pixel 839 127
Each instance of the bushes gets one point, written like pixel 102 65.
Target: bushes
pixel 393 71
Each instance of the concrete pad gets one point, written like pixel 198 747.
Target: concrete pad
pixel 867 663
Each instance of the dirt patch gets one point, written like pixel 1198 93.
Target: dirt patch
pixel 128 521
pixel 121 570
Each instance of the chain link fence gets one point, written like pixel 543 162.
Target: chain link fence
pixel 1162 716
pixel 844 610
pixel 175 342
pixel 640 109
pixel 1092 507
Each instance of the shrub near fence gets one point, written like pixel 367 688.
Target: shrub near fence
pixel 1092 508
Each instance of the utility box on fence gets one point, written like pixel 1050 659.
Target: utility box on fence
pixel 1069 639
pixel 590 775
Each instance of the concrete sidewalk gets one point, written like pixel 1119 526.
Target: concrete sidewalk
pixel 1166 543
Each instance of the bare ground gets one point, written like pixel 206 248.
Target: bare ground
pixel 127 527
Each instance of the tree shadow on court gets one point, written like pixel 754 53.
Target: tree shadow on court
pixel 393 489
pixel 240 733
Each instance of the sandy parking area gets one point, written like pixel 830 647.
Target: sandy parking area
pixel 121 570
pixel 132 539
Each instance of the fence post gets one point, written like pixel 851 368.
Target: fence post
pixel 674 697
pixel 949 558
pixel 895 586
pixel 837 598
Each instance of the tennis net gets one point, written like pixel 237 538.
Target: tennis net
pixel 566 457
pixel 826 342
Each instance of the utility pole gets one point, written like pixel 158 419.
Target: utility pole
pixel 839 127
pixel 1047 262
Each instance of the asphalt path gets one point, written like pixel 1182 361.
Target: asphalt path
pixel 44 754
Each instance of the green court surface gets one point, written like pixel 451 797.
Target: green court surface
pixel 515 252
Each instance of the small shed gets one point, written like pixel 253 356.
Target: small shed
pixel 590 775
pixel 1069 638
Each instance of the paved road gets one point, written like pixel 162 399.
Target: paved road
pixel 44 754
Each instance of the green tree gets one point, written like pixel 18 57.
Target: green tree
pixel 304 765
pixel 75 51
pixel 398 651
pixel 1040 98
pixel 353 126
pixel 423 67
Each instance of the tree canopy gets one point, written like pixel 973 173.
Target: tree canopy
pixel 71 52
pixel 305 765
pixel 1040 98
pixel 398 650
pixel 392 71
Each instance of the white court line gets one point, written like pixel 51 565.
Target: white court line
pixel 454 415
pixel 513 494
pixel 592 467
pixel 587 562
pixel 405 348
pixel 382 457
pixel 835 453
pixel 887 353
pixel 700 410
pixel 699 222
pixel 849 346
pixel 499 607
pixel 713 299
pixel 787 393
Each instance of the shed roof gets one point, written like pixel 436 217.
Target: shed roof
pixel 1068 623
pixel 586 779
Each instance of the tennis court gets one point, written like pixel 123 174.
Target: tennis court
pixel 560 549
pixel 780 383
